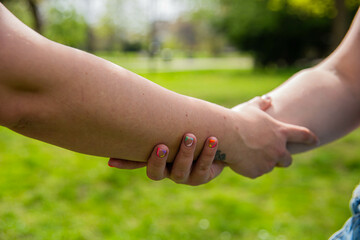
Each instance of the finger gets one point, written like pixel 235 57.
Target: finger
pixel 201 172
pixel 125 164
pixel 261 102
pixel 216 169
pixel 285 160
pixel 156 165
pixel 183 161
pixel 297 134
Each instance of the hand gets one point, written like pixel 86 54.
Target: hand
pixel 265 139
pixel 259 145
pixel 184 169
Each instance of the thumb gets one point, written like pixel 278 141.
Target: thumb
pixel 298 134
pixel 263 102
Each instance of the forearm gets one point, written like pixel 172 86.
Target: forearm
pixel 326 98
pixel 318 100
pixel 78 101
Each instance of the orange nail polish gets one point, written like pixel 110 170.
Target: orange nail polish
pixel 212 143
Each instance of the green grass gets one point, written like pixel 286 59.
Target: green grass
pixel 50 193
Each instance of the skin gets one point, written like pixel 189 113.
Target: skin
pixel 203 170
pixel 325 99
pixel 78 101
pixel 329 100
pixel 184 170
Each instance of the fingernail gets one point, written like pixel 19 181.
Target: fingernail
pixel 161 152
pixel 212 143
pixel 188 141
pixel 110 165
pixel 266 97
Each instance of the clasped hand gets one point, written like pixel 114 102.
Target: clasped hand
pixel 260 147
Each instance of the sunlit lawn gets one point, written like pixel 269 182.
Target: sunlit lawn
pixel 50 193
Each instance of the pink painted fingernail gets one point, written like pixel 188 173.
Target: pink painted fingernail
pixel 161 152
pixel 188 141
pixel 212 143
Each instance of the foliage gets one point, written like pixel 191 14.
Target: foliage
pixel 278 31
pixel 50 193
pixel 310 7
pixel 66 27
pixel 20 9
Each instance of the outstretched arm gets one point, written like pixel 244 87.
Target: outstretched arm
pixel 81 102
pixel 325 98
pixel 78 101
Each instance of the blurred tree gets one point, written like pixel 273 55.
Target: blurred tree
pixel 337 10
pixel 90 39
pixel 33 6
pixel 116 28
pixel 66 26
pixel 340 23
pixel 108 34
pixel 90 36
pixel 283 31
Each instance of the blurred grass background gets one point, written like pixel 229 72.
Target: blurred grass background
pixel 50 193
pixel 223 51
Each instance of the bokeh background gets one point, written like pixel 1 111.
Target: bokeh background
pixel 223 51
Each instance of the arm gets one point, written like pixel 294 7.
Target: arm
pixel 326 98
pixel 185 171
pixel 75 100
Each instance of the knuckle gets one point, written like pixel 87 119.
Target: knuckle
pixel 281 153
pixel 187 152
pixel 204 167
pixel 270 166
pixel 254 175
pixel 288 163
pixel 179 176
pixel 283 131
pixel 209 154
pixel 265 168
pixel 157 163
